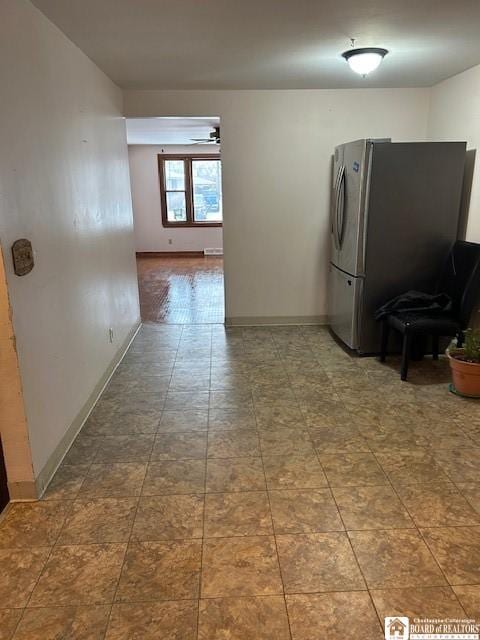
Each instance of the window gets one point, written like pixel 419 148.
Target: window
pixel 191 190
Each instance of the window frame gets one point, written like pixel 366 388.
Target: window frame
pixel 189 207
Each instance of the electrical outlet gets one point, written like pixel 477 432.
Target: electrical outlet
pixel 170 241
pixel 110 334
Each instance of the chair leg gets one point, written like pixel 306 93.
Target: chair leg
pixel 407 344
pixel 435 341
pixel 384 340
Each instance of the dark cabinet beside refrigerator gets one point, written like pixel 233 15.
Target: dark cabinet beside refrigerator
pixel 395 214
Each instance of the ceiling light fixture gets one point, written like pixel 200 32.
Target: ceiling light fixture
pixel 364 60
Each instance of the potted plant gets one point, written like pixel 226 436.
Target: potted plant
pixel 465 365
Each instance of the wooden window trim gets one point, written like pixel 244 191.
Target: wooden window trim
pixel 190 222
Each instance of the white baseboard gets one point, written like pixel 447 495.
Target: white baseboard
pixel 252 321
pixel 46 474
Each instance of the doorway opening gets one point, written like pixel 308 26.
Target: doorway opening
pixel 4 495
pixel 176 181
pixel 16 469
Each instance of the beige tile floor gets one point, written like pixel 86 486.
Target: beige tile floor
pixel 251 484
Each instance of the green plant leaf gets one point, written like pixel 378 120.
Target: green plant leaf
pixel 472 345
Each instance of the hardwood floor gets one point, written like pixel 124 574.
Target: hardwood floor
pixel 181 290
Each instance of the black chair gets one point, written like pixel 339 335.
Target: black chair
pixel 461 281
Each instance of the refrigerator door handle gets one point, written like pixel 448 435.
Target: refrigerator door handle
pixel 335 208
pixel 340 207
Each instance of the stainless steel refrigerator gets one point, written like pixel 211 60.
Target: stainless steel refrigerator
pixel 394 216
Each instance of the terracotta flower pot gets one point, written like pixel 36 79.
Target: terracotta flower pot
pixel 465 375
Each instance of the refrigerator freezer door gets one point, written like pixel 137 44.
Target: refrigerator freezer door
pixel 344 293
pixel 350 217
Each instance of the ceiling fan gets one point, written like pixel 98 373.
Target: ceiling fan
pixel 214 138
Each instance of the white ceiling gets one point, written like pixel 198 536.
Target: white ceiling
pixel 269 44
pixel 169 130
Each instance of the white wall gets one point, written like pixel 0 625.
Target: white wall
pixel 455 115
pixel 276 149
pixel 64 184
pixel 150 235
